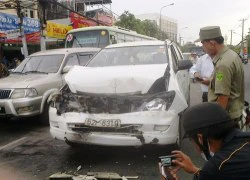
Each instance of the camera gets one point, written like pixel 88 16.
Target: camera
pixel 166 161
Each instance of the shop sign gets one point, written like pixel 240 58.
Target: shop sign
pixel 13 34
pixel 55 30
pixel 10 22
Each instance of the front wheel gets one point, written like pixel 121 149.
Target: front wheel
pixel 44 117
pixel 180 133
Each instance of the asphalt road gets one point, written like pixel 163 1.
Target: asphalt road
pixel 27 152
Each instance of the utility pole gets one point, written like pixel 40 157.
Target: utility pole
pixel 20 18
pixel 180 39
pixel 231 39
pixel 242 36
pixel 41 12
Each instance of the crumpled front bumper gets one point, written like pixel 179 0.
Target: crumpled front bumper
pixel 154 127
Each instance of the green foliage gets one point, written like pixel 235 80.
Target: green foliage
pixel 146 27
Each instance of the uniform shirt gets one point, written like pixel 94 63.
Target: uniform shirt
pixel 205 67
pixel 228 79
pixel 232 161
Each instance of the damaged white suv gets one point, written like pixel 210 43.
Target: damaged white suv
pixel 130 94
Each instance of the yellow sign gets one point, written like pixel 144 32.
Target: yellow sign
pixel 55 30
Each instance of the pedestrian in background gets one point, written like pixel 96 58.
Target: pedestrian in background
pixel 194 57
pixel 226 85
pixel 202 72
pixel 5 61
pixel 213 134
pixel 3 70
pixel 17 61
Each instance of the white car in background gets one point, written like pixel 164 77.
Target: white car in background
pixel 130 94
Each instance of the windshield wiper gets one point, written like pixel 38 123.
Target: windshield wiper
pixel 77 41
pixel 36 72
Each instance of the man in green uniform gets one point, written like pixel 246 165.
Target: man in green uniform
pixel 226 86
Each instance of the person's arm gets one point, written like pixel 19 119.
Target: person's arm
pixel 196 68
pixel 182 160
pixel 223 78
pixel 223 100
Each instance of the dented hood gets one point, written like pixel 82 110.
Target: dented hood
pixel 21 80
pixel 115 79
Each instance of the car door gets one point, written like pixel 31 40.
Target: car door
pixel 182 75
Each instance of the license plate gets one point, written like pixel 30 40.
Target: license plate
pixel 103 123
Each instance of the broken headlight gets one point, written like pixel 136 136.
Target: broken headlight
pixel 159 102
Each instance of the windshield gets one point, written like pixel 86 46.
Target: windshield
pixel 42 64
pixel 94 38
pixel 137 55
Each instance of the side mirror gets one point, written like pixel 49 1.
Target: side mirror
pixel 66 69
pixel 184 64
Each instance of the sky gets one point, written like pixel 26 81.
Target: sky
pixel 195 14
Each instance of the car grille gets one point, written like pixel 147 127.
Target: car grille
pixel 111 104
pixel 125 128
pixel 5 93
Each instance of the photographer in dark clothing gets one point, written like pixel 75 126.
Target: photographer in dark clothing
pixel 213 134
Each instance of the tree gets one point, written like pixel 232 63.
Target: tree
pixel 146 27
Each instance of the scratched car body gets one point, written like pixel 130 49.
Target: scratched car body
pixel 130 94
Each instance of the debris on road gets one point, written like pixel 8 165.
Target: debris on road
pixel 79 168
pixel 91 176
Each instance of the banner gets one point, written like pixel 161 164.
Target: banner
pixel 13 34
pixel 10 22
pixel 55 30
pixel 80 21
pixel 30 38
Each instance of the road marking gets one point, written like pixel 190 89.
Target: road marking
pixel 13 143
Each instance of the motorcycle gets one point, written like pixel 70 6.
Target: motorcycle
pixel 245 61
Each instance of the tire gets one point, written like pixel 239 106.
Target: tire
pixel 181 129
pixel 188 100
pixel 44 117
pixel 177 145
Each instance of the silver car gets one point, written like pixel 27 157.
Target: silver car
pixel 26 90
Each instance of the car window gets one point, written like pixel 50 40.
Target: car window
pixel 84 58
pixel 41 63
pixel 72 60
pixel 137 55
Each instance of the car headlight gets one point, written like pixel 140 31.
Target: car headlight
pixel 22 93
pixel 156 104
pixel 159 102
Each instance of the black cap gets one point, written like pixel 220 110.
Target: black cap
pixel 204 115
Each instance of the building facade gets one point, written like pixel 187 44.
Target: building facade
pixel 166 24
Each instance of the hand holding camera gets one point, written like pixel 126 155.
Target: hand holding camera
pixel 170 165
